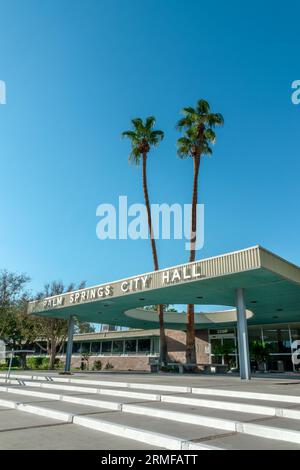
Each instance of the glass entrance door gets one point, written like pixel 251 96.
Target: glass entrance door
pixel 223 349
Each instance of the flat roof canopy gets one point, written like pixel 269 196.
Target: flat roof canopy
pixel 271 284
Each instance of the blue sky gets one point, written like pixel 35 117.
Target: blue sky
pixel 76 73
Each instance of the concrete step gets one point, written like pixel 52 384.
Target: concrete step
pixel 114 401
pixel 243 405
pixel 180 403
pixel 101 383
pixel 163 410
pixel 26 431
pixel 286 398
pixel 113 427
pixel 112 398
pixel 83 384
pixel 248 442
pixel 190 427
pixel 84 389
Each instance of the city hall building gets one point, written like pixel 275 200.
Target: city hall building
pixel 257 291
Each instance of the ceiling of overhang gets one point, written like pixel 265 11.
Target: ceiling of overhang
pixel 272 299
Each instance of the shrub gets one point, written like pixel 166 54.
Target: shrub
pixel 15 361
pixel 169 368
pixel 34 362
pixel 41 362
pixel 97 365
pixel 57 363
pixel 108 366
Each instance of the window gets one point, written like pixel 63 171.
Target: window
pixel 144 346
pixel 117 347
pixel 95 348
pixel 295 333
pixel 85 349
pixel 106 347
pixel 76 348
pixel 280 363
pixel 278 340
pixel 130 346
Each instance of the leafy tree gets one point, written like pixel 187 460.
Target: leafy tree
pixel 84 327
pixel 17 329
pixel 143 137
pixel 54 330
pixel 21 330
pixel 197 125
pixel 12 292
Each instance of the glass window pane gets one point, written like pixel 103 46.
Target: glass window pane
pixel 144 346
pixel 85 349
pixel 254 334
pixel 130 346
pixel 76 348
pixel 278 339
pixel 95 348
pixel 106 347
pixel 117 347
pixel 295 333
pixel 216 344
pixel 280 363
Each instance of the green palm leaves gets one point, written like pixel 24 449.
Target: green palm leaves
pixel 142 137
pixel 197 124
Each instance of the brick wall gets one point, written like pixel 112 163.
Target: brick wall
pixel 140 363
pixel 176 341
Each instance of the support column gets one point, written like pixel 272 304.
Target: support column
pixel 242 333
pixel 69 344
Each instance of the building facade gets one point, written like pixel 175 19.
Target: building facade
pixel 139 349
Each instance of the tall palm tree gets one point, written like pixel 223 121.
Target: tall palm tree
pixel 143 137
pixel 197 124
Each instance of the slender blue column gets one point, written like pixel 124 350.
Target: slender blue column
pixel 69 344
pixel 242 333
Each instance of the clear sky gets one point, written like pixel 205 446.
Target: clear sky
pixel 76 73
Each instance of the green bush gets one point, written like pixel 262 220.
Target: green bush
pixel 42 362
pixel 169 368
pixel 15 361
pixel 34 362
pixel 108 366
pixel 97 365
pixel 57 363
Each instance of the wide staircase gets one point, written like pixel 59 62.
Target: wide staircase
pixel 151 414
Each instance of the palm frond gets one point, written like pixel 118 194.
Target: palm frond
pixel 184 122
pixel 206 150
pixel 189 110
pixel 215 119
pixel 183 152
pixel 156 137
pixel 137 124
pixel 130 134
pixel 149 122
pixel 184 147
pixel 210 135
pixel 203 107
pixel 135 156
pixel 183 141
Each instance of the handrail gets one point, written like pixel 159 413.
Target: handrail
pixel 12 353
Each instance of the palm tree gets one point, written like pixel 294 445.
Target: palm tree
pixel 197 124
pixel 143 137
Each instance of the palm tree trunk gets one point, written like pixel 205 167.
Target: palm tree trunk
pixel 160 310
pixel 190 331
